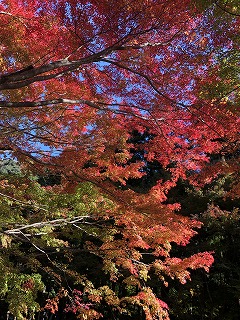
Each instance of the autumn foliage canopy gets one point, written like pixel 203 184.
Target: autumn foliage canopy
pixel 77 78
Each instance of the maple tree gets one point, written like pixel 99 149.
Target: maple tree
pixel 76 78
pixel 216 294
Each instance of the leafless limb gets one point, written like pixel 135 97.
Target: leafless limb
pixel 21 202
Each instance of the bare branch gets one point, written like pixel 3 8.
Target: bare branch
pixel 21 202
pixel 30 104
pixel 50 223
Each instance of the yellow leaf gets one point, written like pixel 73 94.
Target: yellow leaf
pixel 6 241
